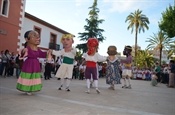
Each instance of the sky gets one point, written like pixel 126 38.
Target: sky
pixel 70 16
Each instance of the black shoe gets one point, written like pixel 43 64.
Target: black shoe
pixel 129 87
pixel 124 86
pixel 59 88
pixel 67 89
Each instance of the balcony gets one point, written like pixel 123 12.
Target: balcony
pixel 54 46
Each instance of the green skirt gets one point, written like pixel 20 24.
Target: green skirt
pixel 29 82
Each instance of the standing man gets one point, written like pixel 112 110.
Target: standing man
pixel 1 68
pixel 172 74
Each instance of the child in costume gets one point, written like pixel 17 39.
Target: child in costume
pixel 65 70
pixel 154 80
pixel 91 58
pixel 30 77
pixel 112 69
pixel 127 67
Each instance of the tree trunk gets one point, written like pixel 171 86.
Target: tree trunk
pixel 160 56
pixel 135 60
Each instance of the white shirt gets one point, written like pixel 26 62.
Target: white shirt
pixel 82 67
pixel 62 52
pixel 50 61
pixel 95 58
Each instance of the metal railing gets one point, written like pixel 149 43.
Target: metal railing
pixel 54 46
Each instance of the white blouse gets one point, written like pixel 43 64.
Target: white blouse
pixel 95 58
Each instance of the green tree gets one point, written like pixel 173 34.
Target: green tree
pixel 92 29
pixel 171 52
pixel 167 23
pixel 78 55
pixel 137 22
pixel 145 59
pixel 159 42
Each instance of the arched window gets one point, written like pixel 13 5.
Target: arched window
pixel 5 7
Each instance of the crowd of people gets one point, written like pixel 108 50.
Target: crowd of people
pixel 162 73
pixel 10 66
pixel 8 63
pixel 31 62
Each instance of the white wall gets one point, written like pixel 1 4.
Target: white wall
pixel 45 33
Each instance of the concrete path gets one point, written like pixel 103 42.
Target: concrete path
pixel 142 99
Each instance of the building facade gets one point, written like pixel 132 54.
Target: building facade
pixel 50 35
pixel 14 22
pixel 11 17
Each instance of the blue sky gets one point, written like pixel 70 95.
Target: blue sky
pixel 70 16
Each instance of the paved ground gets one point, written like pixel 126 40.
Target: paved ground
pixel 142 99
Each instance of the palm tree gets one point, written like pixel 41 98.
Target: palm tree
pixel 171 52
pixel 159 42
pixel 137 21
pixel 145 59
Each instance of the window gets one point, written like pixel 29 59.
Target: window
pixel 5 7
pixel 37 29
pixel 52 38
pixel 52 44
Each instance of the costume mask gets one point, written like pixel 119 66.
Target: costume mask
pixel 127 51
pixel 70 36
pixel 112 50
pixel 92 45
pixel 26 35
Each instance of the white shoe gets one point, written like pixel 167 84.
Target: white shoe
pixel 28 93
pixel 111 88
pixel 98 91
pixel 129 87
pixel 88 91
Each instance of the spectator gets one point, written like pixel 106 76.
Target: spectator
pixel 158 72
pixel 6 62
pixel 172 74
pixel 1 68
pixel 154 80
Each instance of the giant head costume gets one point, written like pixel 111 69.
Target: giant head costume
pixel 92 45
pixel 112 50
pixel 67 36
pixel 127 50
